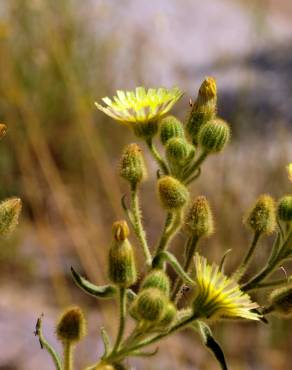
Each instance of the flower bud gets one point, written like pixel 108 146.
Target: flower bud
pixel 71 326
pixel 281 301
pixel 132 166
pixel 9 214
pixel 151 304
pixel 262 217
pixel 172 193
pixel 214 135
pixel 3 130
pixel 170 127
pixel 285 208
pixel 169 316
pixel 158 279
pixel 178 151
pixel 108 366
pixel 204 108
pixel 122 267
pixel 199 218
pixel 145 130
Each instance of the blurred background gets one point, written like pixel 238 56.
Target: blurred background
pixel 60 154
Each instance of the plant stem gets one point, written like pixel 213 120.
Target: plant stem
pixel 238 274
pixel 123 302
pixel 190 248
pixel 172 223
pixel 68 355
pixel 157 156
pixel 189 171
pixel 127 351
pixel 138 227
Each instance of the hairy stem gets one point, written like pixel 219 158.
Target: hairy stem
pixel 68 355
pixel 190 248
pixel 189 171
pixel 238 274
pixel 172 223
pixel 138 227
pixel 123 303
pixel 160 161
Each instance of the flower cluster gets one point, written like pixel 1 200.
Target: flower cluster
pixel 156 303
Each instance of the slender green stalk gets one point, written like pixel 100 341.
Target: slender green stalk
pixel 189 171
pixel 172 223
pixel 138 227
pixel 238 274
pixel 274 283
pixel 45 344
pixel 128 350
pixel 190 248
pixel 271 265
pixel 123 308
pixel 160 161
pixel 68 355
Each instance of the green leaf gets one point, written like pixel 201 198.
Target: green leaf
pixel 210 342
pixel 106 342
pixel 171 259
pixel 103 291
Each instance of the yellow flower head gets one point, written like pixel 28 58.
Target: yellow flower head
pixel 219 296
pixel 140 106
pixel 289 169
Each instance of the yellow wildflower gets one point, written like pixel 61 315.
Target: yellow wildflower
pixel 219 296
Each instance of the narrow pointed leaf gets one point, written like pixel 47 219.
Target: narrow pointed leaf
pixel 106 342
pixel 103 291
pixel 210 342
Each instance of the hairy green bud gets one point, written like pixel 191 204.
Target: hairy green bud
pixel 281 301
pixel 122 267
pixel 132 166
pixel 170 127
pixel 169 316
pixel 71 326
pixel 199 218
pixel 145 130
pixel 285 208
pixel 214 135
pixel 172 193
pixel 103 365
pixel 178 150
pixel 151 304
pixel 9 214
pixel 3 130
pixel 204 108
pixel 157 278
pixel 262 217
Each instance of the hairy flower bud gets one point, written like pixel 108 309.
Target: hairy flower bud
pixel 262 217
pixel 151 304
pixel 157 278
pixel 132 166
pixel 199 218
pixel 285 208
pixel 214 135
pixel 9 214
pixel 281 301
pixel 3 130
pixel 172 193
pixel 103 365
pixel 170 127
pixel 204 108
pixel 71 326
pixel 169 316
pixel 122 267
pixel 178 150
